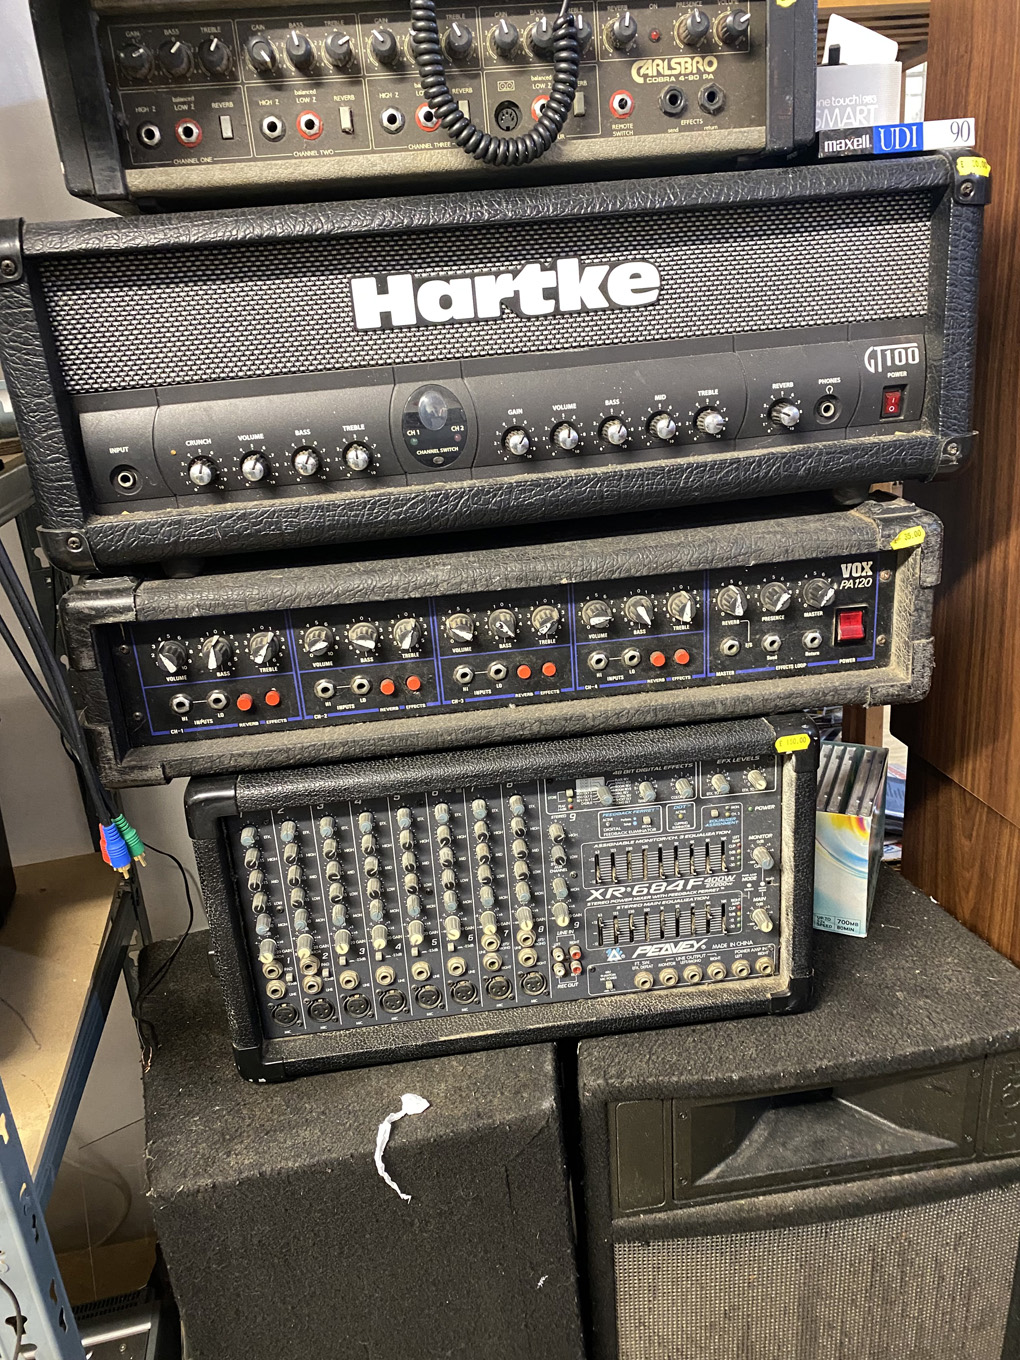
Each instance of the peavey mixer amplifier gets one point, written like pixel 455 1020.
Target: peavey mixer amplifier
pixel 476 644
pixel 262 379
pixel 172 104
pixel 391 909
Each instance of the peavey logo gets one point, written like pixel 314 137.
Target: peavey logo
pixel 653 70
pixel 880 357
pixel 548 288
pixel 668 948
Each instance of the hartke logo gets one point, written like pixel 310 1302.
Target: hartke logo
pixel 652 70
pixel 878 357
pixel 386 301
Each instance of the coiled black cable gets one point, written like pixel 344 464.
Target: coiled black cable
pixel 525 146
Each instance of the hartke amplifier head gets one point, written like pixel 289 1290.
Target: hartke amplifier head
pixel 707 617
pixel 385 910
pixel 845 1184
pixel 270 379
pixel 160 105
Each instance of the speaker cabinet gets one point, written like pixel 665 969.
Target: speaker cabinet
pixel 282 1239
pixel 844 1186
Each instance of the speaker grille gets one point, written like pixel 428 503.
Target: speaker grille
pixel 929 1282
pixel 147 319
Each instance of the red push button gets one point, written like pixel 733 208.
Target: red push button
pixel 658 658
pixel 413 683
pixel 244 702
pixel 523 672
pixel 273 697
pixel 892 402
pixel 850 625
pixel 681 656
pixel 549 668
pixel 387 687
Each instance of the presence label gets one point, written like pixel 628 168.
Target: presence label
pixel 895 139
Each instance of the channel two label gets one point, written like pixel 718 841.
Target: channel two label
pixel 894 139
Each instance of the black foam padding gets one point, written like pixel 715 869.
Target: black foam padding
pixel 282 1240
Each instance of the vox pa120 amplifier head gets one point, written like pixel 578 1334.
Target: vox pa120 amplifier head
pixel 189 386
pixel 383 910
pixel 703 620
pixel 175 105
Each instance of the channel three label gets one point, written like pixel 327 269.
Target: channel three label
pixel 898 139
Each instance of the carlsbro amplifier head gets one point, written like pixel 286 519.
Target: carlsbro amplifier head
pixel 162 105
pixel 279 378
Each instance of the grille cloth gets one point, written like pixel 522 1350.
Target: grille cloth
pixel 143 319
pixel 929 1282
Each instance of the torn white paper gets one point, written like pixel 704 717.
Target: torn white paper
pixel 409 1104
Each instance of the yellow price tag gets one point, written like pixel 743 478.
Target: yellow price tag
pixel 785 4
pixel 796 741
pixel 973 165
pixel 908 538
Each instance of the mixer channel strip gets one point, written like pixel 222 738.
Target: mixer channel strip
pixel 649 925
pixel 677 859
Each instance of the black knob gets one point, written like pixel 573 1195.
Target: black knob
pixel 264 648
pixel 459 42
pixel 176 58
pixel 542 36
pixel 262 55
pixel 300 52
pixel 732 27
pixel 135 61
pixel 215 56
pixel 693 28
pixel 583 30
pixel 623 31
pixel 318 640
pixel 172 657
pixel 339 50
pixel 505 38
pixel 216 653
pixel 383 46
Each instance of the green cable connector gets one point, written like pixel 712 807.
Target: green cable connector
pixel 134 842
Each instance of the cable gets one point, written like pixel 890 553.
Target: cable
pixel 19 1319
pixel 25 667
pixel 524 147
pixel 146 1029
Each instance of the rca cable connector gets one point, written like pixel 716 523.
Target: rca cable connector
pixel 114 848
pixel 134 842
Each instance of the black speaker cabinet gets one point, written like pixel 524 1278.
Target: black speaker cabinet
pixel 843 1186
pixel 281 1238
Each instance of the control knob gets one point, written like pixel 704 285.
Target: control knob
pixel 300 52
pixel 720 784
pixel 762 857
pixel 596 614
pixel 264 648
pixel 623 31
pixel 710 421
pixel 338 49
pixel 639 609
pixel 583 29
pixel 172 656
pixel 775 597
pixel 542 36
pixel 215 56
pixel 615 432
pixel 458 42
pixel 684 788
pixel 758 780
pixel 503 623
pixel 785 413
pixel 357 457
pixel 818 593
pixel 261 54
pixel 646 792
pixel 363 637
pixel 216 652
pixel 201 472
pixel 683 607
pixel 306 462
pixel 176 58
pixel 406 634
pixel 318 640
pixel 516 441
pixel 732 27
pixel 662 426
pixel 545 620
pixel 565 437
pixel 135 61
pixel 732 601
pixel 383 46
pixel 254 467
pixel 505 38
pixel 461 627
pixel 693 28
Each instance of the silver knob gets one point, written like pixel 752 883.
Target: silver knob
pixel 306 462
pixel 517 443
pixel 615 432
pixel 720 784
pixel 684 788
pixel 762 920
pixel 201 472
pixel 254 467
pixel 710 421
pixel 762 858
pixel 357 457
pixel 662 425
pixel 646 792
pixel 784 413
pixel 758 780
pixel 566 437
